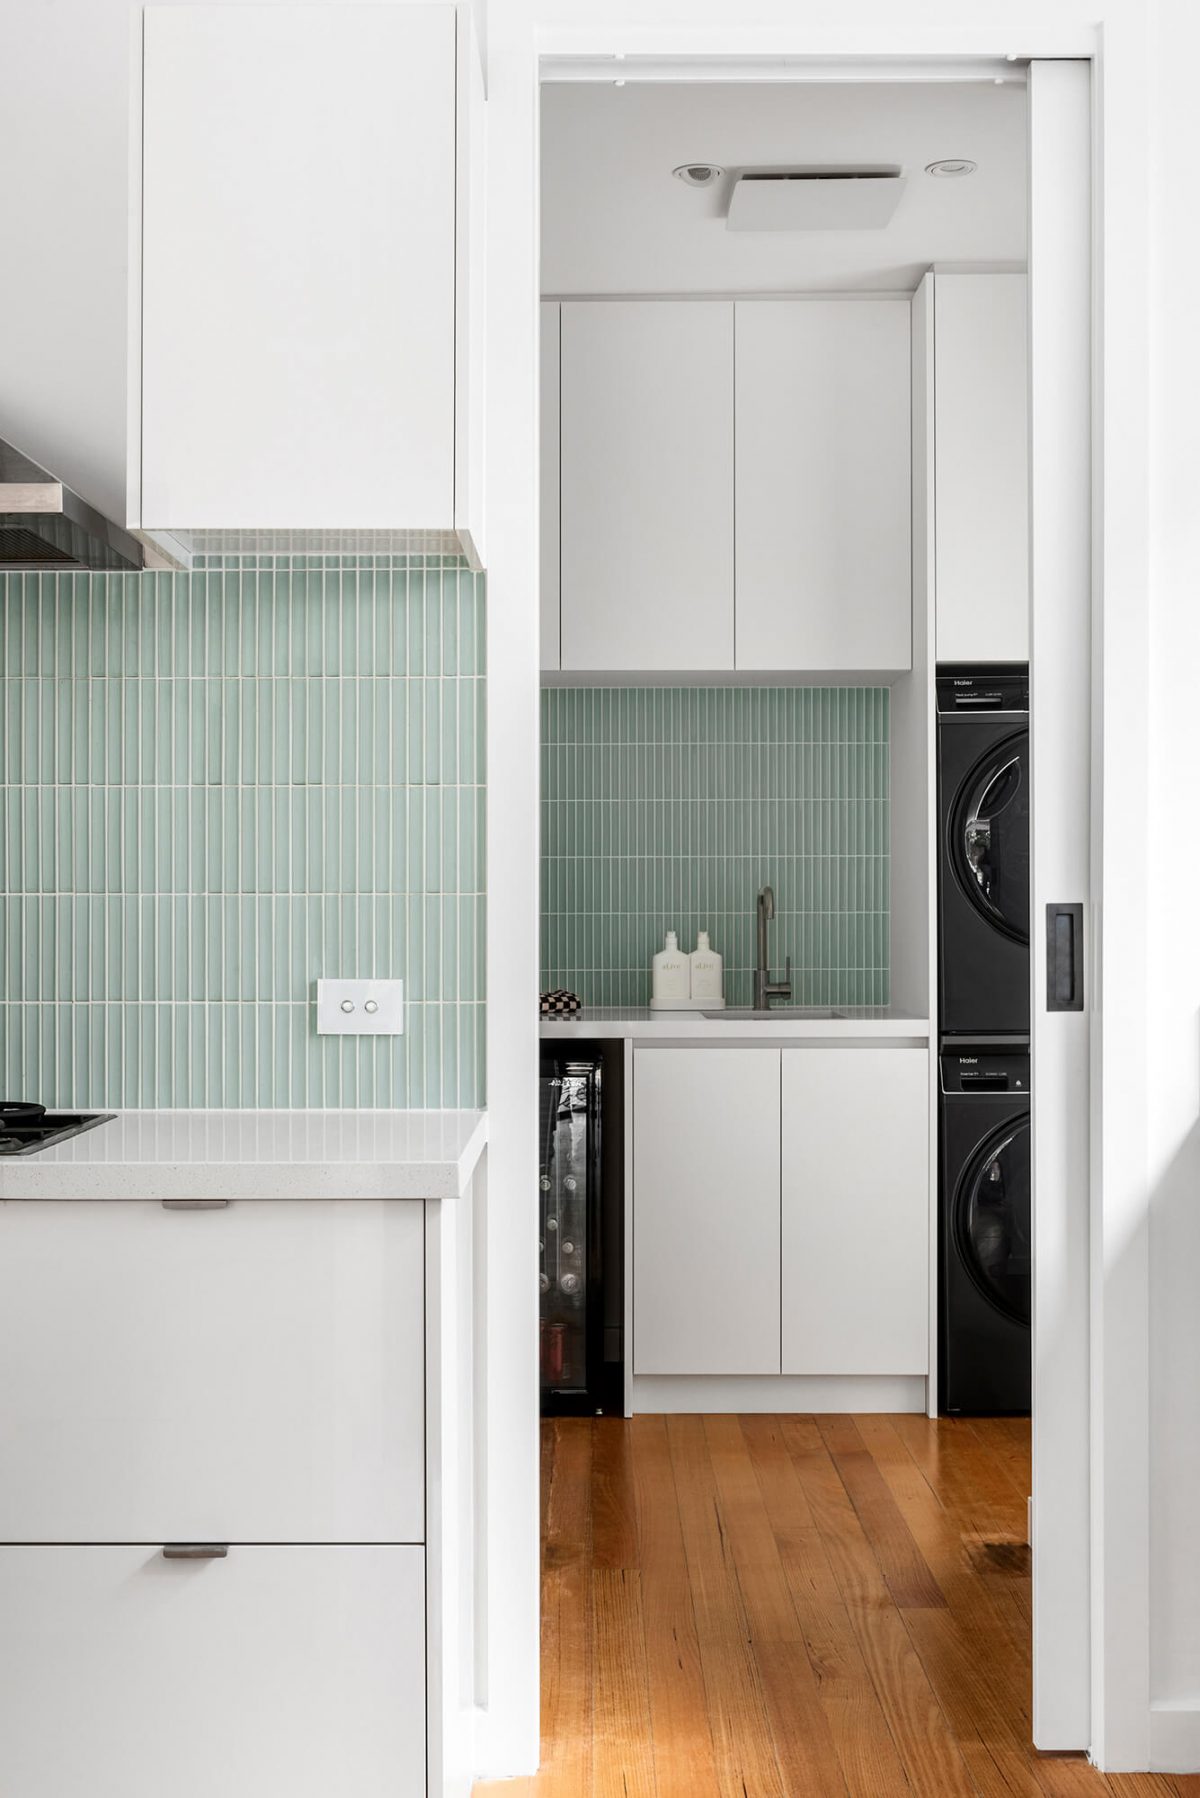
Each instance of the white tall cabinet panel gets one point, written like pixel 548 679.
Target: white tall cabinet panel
pixel 855 1233
pixel 275 1670
pixel 647 485
pixel 706 1211
pixel 549 468
pixel 981 462
pixel 824 576
pixel 250 1374
pixel 298 267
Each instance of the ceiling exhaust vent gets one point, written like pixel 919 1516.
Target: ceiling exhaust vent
pixel 814 199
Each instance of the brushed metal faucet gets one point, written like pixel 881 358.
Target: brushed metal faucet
pixel 766 989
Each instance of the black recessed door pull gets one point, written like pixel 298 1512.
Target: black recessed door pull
pixel 1064 958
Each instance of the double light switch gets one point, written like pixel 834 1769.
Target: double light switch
pixel 360 1008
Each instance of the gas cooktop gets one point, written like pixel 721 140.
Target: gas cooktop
pixel 25 1128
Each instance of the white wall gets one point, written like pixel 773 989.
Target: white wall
pixel 1173 1062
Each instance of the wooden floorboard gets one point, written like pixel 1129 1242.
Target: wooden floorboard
pixel 792 1607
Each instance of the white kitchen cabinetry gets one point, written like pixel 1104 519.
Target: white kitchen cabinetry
pixel 274 1670
pixel 309 354
pixel 824 568
pixel 780 1212
pixel 706 1211
pixel 855 1237
pixel 701 436
pixel 647 486
pixel 981 467
pixel 292 1381
pixel 248 1374
pixel 549 465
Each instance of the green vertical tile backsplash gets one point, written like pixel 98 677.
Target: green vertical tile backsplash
pixel 670 807
pixel 215 788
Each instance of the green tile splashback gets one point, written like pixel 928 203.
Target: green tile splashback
pixel 670 807
pixel 216 787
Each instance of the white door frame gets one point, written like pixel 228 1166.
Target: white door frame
pixel 520 33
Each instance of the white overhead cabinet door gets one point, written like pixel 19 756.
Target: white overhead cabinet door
pixel 824 577
pixel 647 485
pixel 298 267
pixel 272 1673
pixel 706 1211
pixel 981 462
pixel 549 463
pixel 855 1170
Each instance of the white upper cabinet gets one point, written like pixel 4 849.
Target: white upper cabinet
pixel 981 468
pixel 549 464
pixel 647 485
pixel 735 488
pixel 824 576
pixel 309 359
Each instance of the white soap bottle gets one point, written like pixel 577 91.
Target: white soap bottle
pixel 670 975
pixel 707 971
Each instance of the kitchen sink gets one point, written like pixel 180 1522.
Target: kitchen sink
pixel 740 1014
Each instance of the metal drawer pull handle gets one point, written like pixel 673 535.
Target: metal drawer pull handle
pixel 195 1551
pixel 194 1204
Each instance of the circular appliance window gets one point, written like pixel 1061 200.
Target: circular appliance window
pixel 992 1219
pixel 989 836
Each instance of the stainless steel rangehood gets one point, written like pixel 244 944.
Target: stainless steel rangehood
pixel 45 525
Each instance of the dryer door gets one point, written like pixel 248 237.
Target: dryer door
pixel 989 836
pixel 992 1219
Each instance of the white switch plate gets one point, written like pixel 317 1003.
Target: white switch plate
pixel 360 1008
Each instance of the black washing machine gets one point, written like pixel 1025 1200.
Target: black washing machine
pixel 983 865
pixel 985 1252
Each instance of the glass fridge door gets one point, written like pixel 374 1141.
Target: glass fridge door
pixel 571 1320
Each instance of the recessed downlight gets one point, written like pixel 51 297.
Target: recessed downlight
pixel 952 165
pixel 698 174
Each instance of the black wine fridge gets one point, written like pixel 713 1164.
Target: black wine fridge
pixel 579 1233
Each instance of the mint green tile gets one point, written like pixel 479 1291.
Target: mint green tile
pixel 672 806
pixel 204 804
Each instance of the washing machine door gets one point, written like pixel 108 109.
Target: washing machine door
pixel 992 1219
pixel 989 836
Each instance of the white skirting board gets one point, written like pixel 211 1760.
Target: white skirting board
pixel 1175 1737
pixel 778 1393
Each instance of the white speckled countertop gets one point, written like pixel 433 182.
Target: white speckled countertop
pixel 157 1155
pixel 849 1023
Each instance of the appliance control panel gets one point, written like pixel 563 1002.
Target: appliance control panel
pixel 965 692
pixel 985 1071
pixel 360 1008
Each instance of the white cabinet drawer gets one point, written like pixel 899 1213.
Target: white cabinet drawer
pixel 249 1374
pixel 297 1671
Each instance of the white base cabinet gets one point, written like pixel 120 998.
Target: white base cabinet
pixel 248 1374
pixel 780 1216
pixel 706 1211
pixel 274 1671
pixel 855 1217
pixel 293 1382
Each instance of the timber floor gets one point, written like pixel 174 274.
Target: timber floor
pixel 772 1607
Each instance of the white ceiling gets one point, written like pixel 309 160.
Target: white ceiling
pixel 614 220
